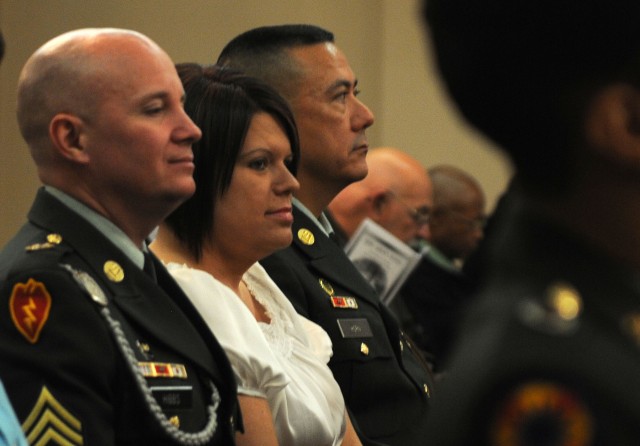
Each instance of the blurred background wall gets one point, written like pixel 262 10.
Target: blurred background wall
pixel 383 40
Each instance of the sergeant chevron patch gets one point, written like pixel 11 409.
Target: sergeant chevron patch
pixel 50 423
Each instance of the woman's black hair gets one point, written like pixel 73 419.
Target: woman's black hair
pixel 222 102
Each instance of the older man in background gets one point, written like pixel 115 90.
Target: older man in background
pixel 395 194
pixel 434 295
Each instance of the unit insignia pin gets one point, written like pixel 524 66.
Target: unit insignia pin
pixel 326 286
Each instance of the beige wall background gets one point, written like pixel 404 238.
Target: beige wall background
pixel 383 39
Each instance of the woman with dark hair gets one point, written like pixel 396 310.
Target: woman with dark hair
pixel 241 212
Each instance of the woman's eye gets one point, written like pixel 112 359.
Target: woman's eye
pixel 259 164
pixel 153 110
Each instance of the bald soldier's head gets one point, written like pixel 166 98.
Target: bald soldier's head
pixel 71 73
pixel 102 112
pixel 396 194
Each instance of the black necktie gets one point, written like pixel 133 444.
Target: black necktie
pixel 148 266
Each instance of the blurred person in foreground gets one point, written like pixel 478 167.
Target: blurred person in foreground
pixel 240 213
pixel 549 353
pixel 385 385
pixel 94 349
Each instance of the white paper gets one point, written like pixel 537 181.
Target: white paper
pixel 383 259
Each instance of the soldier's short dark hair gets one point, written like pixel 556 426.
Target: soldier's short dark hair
pixel 222 102
pixel 264 53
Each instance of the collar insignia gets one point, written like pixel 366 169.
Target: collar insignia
pixel 306 236
pixel 113 271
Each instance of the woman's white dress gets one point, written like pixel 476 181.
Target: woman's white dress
pixel 284 361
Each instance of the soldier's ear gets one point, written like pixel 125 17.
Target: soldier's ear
pixel 612 124
pixel 65 132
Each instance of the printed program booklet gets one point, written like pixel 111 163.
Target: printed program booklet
pixel 383 259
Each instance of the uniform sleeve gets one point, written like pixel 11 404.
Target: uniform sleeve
pixel 57 357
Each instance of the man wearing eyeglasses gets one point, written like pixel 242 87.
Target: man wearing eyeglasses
pixel 431 299
pixel 395 194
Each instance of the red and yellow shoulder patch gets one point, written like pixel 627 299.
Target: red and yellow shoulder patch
pixel 541 410
pixel 29 306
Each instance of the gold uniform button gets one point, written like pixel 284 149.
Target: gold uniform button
pixel 306 236
pixel 364 349
pixel 54 238
pixel 565 301
pixel 175 420
pixel 401 346
pixel 426 389
pixel 113 271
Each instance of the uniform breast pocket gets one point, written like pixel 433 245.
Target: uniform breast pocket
pixel 358 353
pixel 356 338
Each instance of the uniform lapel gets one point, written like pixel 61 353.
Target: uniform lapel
pixel 328 259
pixel 159 315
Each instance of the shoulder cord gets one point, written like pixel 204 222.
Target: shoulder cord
pixel 96 293
pixel 197 438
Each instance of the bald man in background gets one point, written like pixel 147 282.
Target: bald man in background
pixel 396 194
pixel 98 344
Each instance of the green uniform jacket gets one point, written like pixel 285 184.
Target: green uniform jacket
pixel 94 352
pixel 385 384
